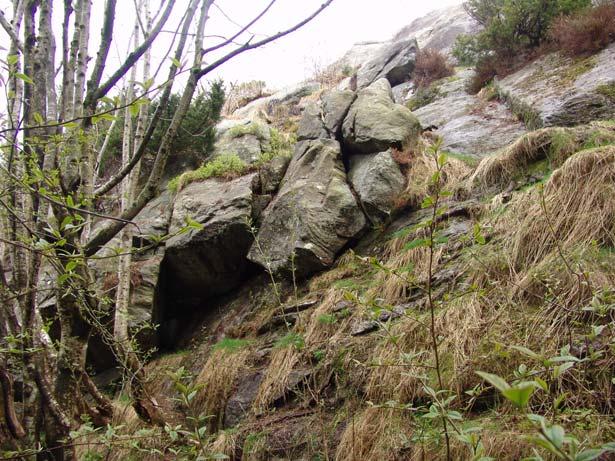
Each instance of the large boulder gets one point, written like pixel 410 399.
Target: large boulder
pixel 378 181
pixel 375 123
pixel 395 62
pixel 247 139
pixel 314 215
pixel 324 117
pixel 206 261
pixel 560 91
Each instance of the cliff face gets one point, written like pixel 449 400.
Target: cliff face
pixel 302 295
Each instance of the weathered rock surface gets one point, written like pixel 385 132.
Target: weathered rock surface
pixel 211 260
pixel 468 124
pixel 324 118
pixel 394 61
pixel 247 139
pixel 359 54
pixel 439 29
pixel 378 181
pixel 313 216
pixel 562 91
pixel 291 95
pixel 375 123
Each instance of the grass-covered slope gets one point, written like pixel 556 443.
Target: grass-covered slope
pixel 518 282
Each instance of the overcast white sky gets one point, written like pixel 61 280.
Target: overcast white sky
pixel 293 58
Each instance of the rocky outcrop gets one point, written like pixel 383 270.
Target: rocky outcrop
pixel 290 96
pixel 378 181
pixel 439 29
pixel 395 62
pixel 560 91
pixel 375 123
pixel 313 216
pixel 469 124
pixel 324 118
pixel 210 259
pixel 247 139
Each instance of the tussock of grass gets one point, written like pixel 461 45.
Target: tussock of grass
pixel 224 166
pixel 407 269
pixel 375 434
pixel 217 378
pixel 277 377
pixel 552 144
pixel 255 129
pixel 420 167
pixel 578 208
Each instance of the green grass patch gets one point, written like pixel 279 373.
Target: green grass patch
pixel 291 339
pixel 608 90
pixel 423 96
pixel 226 165
pixel 231 344
pixel 467 159
pixel 254 129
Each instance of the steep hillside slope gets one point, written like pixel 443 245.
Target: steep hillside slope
pixel 350 279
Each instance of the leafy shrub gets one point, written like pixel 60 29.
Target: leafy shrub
pixel 586 32
pixel 467 50
pixel 484 72
pixel 229 166
pixel 431 65
pixel 513 31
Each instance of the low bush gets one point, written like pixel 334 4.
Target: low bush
pixel 431 65
pixel 586 32
pixel 484 72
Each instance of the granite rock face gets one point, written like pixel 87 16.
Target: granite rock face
pixel 378 181
pixel 375 123
pixel 560 91
pixel 469 124
pixel 313 216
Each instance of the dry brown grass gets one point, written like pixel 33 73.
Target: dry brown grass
pixel 408 269
pixel 552 144
pixel 217 378
pixel 276 380
pixel 420 166
pixel 375 434
pixel 577 207
pixel 225 444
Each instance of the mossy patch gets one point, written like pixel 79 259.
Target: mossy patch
pixel 226 165
pixel 608 90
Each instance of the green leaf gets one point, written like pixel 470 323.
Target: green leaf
pixel 427 202
pixel 520 394
pixel 38 118
pixel 70 266
pixel 542 383
pixel 24 77
pixel 12 59
pixel 147 84
pixel 561 369
pixel 555 434
pixel 588 455
pixel 442 160
pixel 528 352
pixel 176 62
pixel 478 236
pixel 496 381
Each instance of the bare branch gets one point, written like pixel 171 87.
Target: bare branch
pixel 250 46
pixel 6 25
pixel 241 31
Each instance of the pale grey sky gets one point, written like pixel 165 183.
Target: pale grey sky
pixel 294 57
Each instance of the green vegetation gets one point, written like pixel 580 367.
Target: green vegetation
pixel 423 96
pixel 608 90
pixel 231 345
pixel 255 129
pixel 226 165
